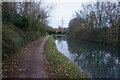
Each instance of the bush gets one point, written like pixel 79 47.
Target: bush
pixel 21 21
pixel 6 16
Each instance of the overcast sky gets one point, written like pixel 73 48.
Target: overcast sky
pixel 64 9
pixel 61 10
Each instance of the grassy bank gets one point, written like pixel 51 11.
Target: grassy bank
pixel 21 25
pixel 96 35
pixel 61 66
pixel 14 38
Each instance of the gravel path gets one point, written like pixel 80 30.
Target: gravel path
pixel 29 63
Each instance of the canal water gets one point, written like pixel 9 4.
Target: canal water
pixel 96 60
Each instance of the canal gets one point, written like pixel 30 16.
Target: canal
pixel 96 60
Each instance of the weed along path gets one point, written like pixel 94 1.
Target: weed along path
pixel 28 63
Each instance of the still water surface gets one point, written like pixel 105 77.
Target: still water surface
pixel 96 60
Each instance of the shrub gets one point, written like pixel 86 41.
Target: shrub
pixel 21 21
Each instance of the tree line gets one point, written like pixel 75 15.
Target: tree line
pixel 98 22
pixel 23 22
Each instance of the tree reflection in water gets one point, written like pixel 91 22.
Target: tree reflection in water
pixel 97 60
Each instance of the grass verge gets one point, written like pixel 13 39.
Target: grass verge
pixel 60 65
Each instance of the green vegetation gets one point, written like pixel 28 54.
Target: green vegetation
pixel 97 22
pixel 61 66
pixel 23 22
pixel 59 30
pixel 14 38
